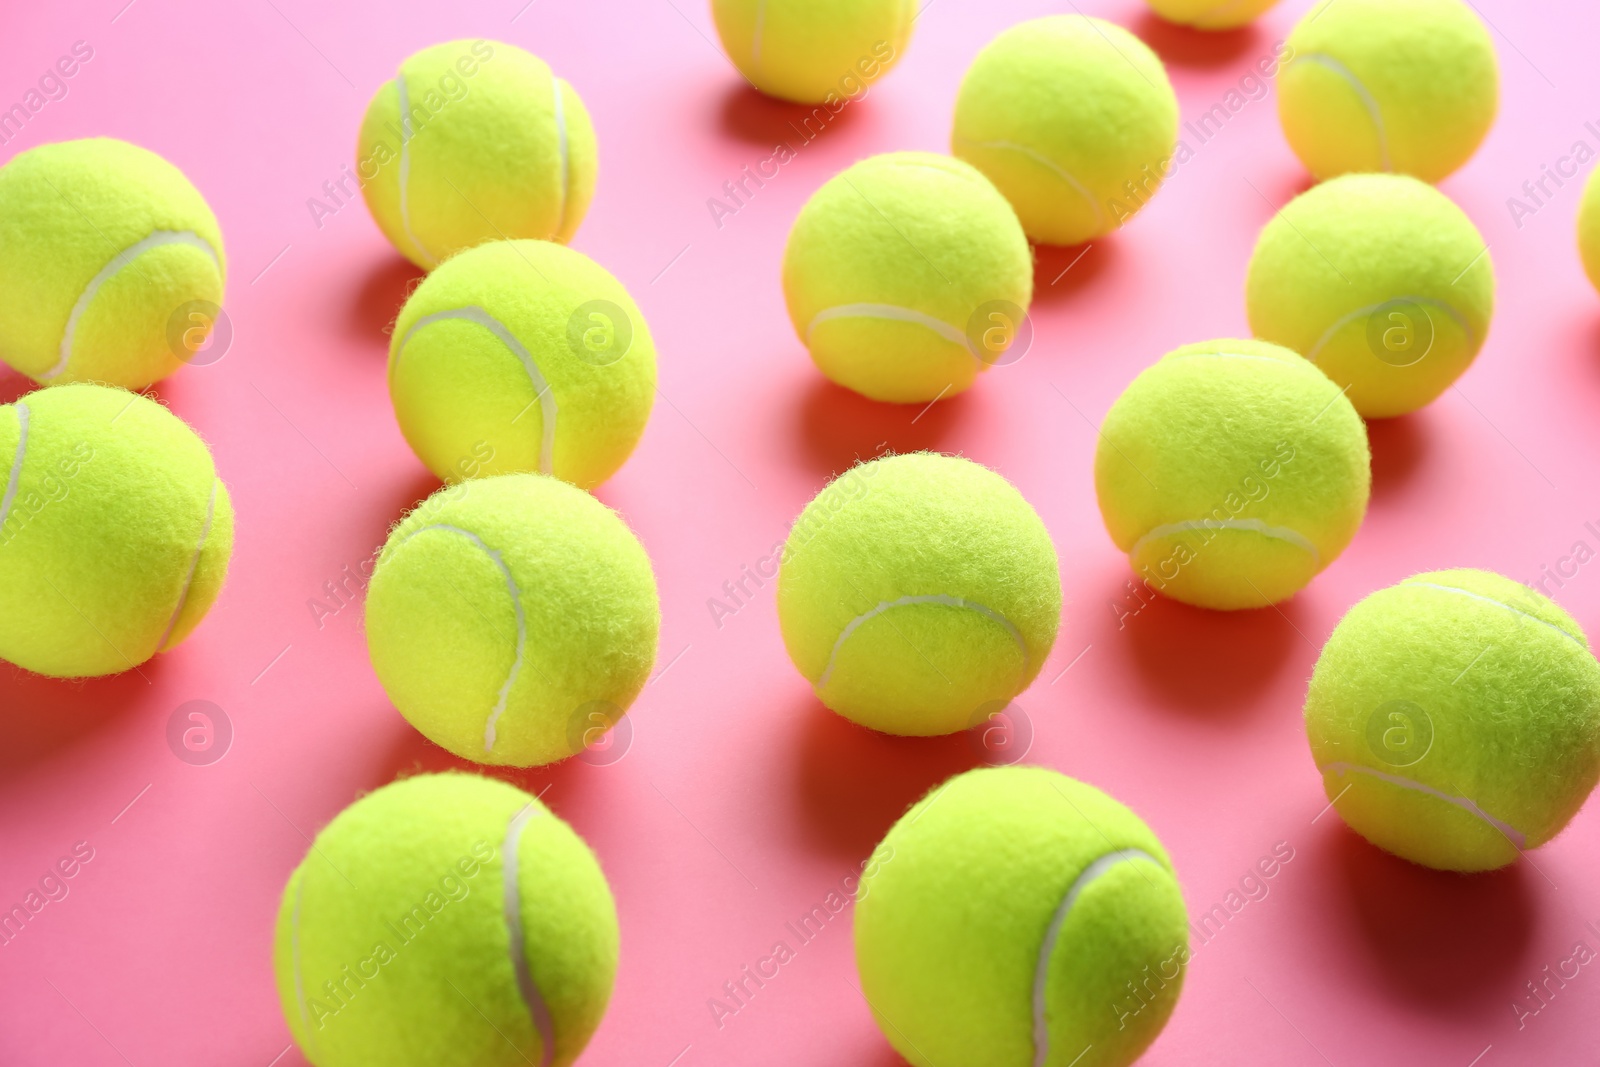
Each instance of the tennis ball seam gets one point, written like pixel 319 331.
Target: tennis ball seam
pixel 929 598
pixel 9 500
pixel 194 565
pixel 1050 165
pixel 1517 838
pixel 1368 101
pixel 1404 298
pixel 1278 533
pixel 890 313
pixel 1497 603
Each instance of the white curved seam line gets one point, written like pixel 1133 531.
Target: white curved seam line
pixel 154 239
pixel 561 152
pixel 1359 313
pixel 1499 604
pixel 890 313
pixel 294 949
pixel 406 134
pixel 1277 533
pixel 755 45
pixel 546 398
pixel 7 501
pixel 1050 165
pixel 1368 101
pixel 194 565
pixel 512 898
pixel 1041 972
pixel 936 598
pixel 1512 834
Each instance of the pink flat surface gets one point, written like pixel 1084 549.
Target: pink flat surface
pixel 742 803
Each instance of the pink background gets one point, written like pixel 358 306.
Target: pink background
pixel 742 802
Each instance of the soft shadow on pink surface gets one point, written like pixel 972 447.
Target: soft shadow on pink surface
pixel 1061 272
pixel 1400 448
pixel 40 715
pixel 379 295
pixel 839 428
pixel 1185 46
pixel 414 754
pixel 765 121
pixel 13 385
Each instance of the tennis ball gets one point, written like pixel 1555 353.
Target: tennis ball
pixel 918 593
pixel 1589 229
pixel 1381 281
pixel 1210 14
pixel 115 531
pixel 1232 473
pixel 1455 718
pixel 814 51
pixel 522 356
pixel 111 263
pixel 1015 916
pixel 446 920
pixel 906 275
pixel 510 617
pixel 1073 119
pixel 1380 85
pixel 473 141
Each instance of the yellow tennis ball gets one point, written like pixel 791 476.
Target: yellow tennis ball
pixel 473 141
pixel 1073 119
pixel 1388 85
pixel 1211 14
pixel 906 275
pixel 814 51
pixel 115 531
pixel 110 261
pixel 1589 229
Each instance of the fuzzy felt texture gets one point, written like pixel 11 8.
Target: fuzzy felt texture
pixel 1210 14
pixel 814 51
pixel 1061 112
pixel 955 908
pixel 518 601
pixel 1381 281
pixel 1456 684
pixel 463 391
pixel 393 946
pixel 115 532
pixel 913 231
pixel 70 211
pixel 1232 472
pixel 919 526
pixel 1376 85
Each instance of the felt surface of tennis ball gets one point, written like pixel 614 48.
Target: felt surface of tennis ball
pixel 508 616
pixel 1211 14
pixel 1016 917
pixel 918 593
pixel 111 263
pixel 115 531
pixel 1381 281
pixel 1455 718
pixel 1073 119
pixel 906 276
pixel 1589 229
pixel 1409 86
pixel 522 356
pixel 814 51
pixel 1232 473
pixel 445 920
pixel 475 141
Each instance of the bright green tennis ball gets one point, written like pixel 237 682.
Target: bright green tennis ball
pixel 1455 718
pixel 115 531
pixel 1074 120
pixel 1232 473
pixel 473 141
pixel 1380 280
pixel 1210 14
pixel 510 617
pixel 445 920
pixel 814 51
pixel 1388 85
pixel 1589 229
pixel 110 261
pixel 1017 918
pixel 906 275
pixel 918 594
pixel 522 356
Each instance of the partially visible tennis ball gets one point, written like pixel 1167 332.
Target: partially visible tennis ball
pixel 1589 229
pixel 474 141
pixel 1074 120
pixel 115 531
pixel 445 920
pixel 919 593
pixel 1381 85
pixel 1380 280
pixel 906 275
pixel 814 51
pixel 508 618
pixel 1211 14
pixel 110 261
pixel 1232 473
pixel 1015 916
pixel 1455 718
pixel 522 356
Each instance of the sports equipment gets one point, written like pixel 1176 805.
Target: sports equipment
pixel 509 617
pixel 111 263
pixel 473 141
pixel 918 594
pixel 1211 14
pixel 1017 917
pixel 906 275
pixel 814 51
pixel 115 532
pixel 1455 718
pixel 1073 119
pixel 522 356
pixel 1232 472
pixel 1589 228
pixel 1380 85
pixel 1379 280
pixel 445 920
